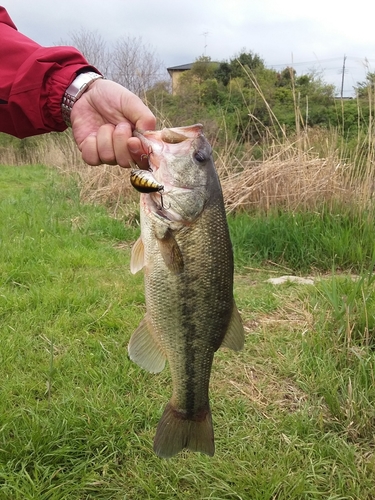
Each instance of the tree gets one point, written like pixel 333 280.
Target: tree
pixel 198 85
pixel 366 89
pixel 247 60
pixel 238 65
pixel 92 46
pixel 135 65
pixel 129 61
pixel 286 77
pixel 203 69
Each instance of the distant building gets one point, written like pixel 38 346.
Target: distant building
pixel 175 72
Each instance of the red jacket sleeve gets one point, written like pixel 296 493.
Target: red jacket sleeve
pixel 33 80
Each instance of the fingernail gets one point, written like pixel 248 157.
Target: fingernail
pixel 133 150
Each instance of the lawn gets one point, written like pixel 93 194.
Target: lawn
pixel 293 412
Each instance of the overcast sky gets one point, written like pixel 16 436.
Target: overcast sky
pixel 310 34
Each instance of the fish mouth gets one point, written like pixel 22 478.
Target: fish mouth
pixel 173 135
pixel 159 145
pixel 168 140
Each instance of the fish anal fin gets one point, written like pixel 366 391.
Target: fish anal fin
pixel 144 350
pixel 235 335
pixel 137 259
pixel 171 253
pixel 174 433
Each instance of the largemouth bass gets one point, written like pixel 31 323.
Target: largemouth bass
pixel 186 254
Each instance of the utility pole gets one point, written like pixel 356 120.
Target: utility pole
pixel 342 78
pixel 342 93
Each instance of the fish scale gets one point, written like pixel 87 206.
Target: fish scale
pixel 186 254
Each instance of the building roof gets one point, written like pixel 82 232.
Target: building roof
pixel 182 67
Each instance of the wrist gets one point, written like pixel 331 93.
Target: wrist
pixel 75 90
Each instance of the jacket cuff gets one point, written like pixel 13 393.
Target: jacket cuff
pixel 38 90
pixel 56 87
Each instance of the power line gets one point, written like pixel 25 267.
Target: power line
pixel 353 71
pixel 361 60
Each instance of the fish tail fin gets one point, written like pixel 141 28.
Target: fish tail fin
pixel 175 432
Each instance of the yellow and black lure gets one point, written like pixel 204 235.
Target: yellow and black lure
pixel 144 182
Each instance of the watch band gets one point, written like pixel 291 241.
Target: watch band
pixel 75 90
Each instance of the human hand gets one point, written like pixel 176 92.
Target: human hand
pixel 103 120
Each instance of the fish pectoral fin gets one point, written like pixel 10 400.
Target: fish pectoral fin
pixel 144 350
pixel 171 252
pixel 235 335
pixel 137 260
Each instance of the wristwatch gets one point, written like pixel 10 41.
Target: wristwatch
pixel 75 90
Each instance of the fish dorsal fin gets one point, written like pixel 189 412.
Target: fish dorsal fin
pixel 235 335
pixel 171 253
pixel 137 260
pixel 144 350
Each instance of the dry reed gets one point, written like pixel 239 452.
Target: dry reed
pixel 290 179
pixel 302 173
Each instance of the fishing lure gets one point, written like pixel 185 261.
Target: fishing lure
pixel 144 182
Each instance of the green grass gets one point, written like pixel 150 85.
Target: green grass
pixel 77 418
pixel 302 241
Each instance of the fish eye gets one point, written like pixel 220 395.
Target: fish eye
pixel 199 156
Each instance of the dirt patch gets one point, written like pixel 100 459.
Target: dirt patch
pixel 266 389
pixel 256 376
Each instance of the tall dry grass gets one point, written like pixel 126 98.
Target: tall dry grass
pixel 290 179
pixel 302 171
pixel 292 174
pixel 299 172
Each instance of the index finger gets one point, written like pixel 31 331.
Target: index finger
pixel 138 153
pixel 137 112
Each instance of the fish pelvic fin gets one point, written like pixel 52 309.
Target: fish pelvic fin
pixel 175 432
pixel 235 335
pixel 137 259
pixel 144 350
